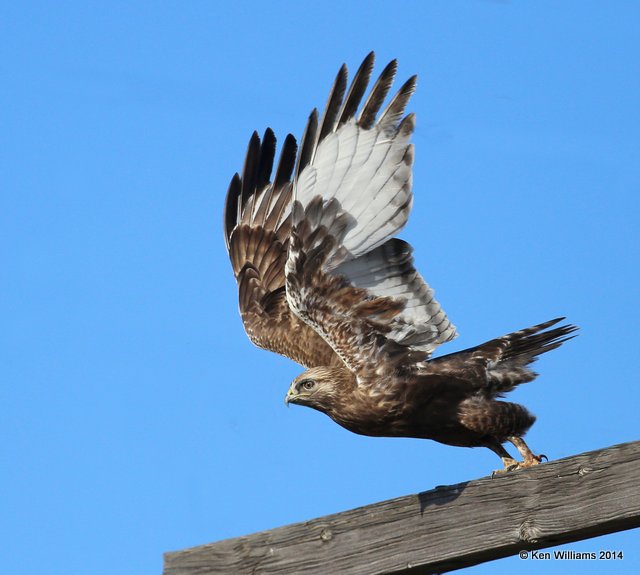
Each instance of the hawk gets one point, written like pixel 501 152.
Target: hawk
pixel 323 281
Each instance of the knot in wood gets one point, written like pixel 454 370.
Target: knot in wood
pixel 529 531
pixel 326 534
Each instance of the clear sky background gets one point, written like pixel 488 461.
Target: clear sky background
pixel 136 417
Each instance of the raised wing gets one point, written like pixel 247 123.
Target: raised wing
pixel 346 276
pixel 257 222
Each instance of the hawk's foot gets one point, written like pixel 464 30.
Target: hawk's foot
pixel 529 458
pixel 512 465
pixel 509 463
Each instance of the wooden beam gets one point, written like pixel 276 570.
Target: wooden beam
pixel 443 529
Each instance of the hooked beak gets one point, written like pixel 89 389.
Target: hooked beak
pixel 290 395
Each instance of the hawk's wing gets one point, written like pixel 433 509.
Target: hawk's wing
pixel 347 276
pixel 257 225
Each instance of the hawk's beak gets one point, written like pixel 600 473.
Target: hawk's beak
pixel 288 397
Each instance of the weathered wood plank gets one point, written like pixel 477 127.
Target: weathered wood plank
pixel 443 529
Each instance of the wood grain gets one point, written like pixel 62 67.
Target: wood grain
pixel 443 529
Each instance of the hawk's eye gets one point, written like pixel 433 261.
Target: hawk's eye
pixel 307 384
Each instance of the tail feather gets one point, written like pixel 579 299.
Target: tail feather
pixel 508 357
pixel 525 345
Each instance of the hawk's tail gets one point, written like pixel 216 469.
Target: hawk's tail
pixel 508 357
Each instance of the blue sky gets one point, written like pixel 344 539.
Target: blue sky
pixel 137 418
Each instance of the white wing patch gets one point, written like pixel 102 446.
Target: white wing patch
pixel 388 271
pixel 369 173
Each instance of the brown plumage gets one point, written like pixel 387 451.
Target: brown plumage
pixel 323 281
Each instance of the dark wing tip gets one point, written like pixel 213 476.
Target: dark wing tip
pixel 308 142
pixel 250 169
pixel 334 104
pixel 267 156
pixel 245 202
pixel 287 161
pixel 231 207
pixel 358 88
pixel 377 95
pixel 392 114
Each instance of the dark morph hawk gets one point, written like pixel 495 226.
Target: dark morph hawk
pixel 323 281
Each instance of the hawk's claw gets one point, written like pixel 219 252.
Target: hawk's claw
pixel 538 458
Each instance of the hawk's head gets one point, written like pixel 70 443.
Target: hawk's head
pixel 319 387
